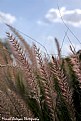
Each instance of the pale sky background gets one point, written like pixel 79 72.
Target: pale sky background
pixel 41 20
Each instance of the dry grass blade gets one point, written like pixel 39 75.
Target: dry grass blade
pixel 73 51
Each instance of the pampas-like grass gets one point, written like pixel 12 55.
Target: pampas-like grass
pixel 37 87
pixel 11 104
pixel 46 85
pixel 76 67
pixel 29 50
pixel 76 85
pixel 25 64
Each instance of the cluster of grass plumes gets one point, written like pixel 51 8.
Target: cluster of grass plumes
pixel 36 87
